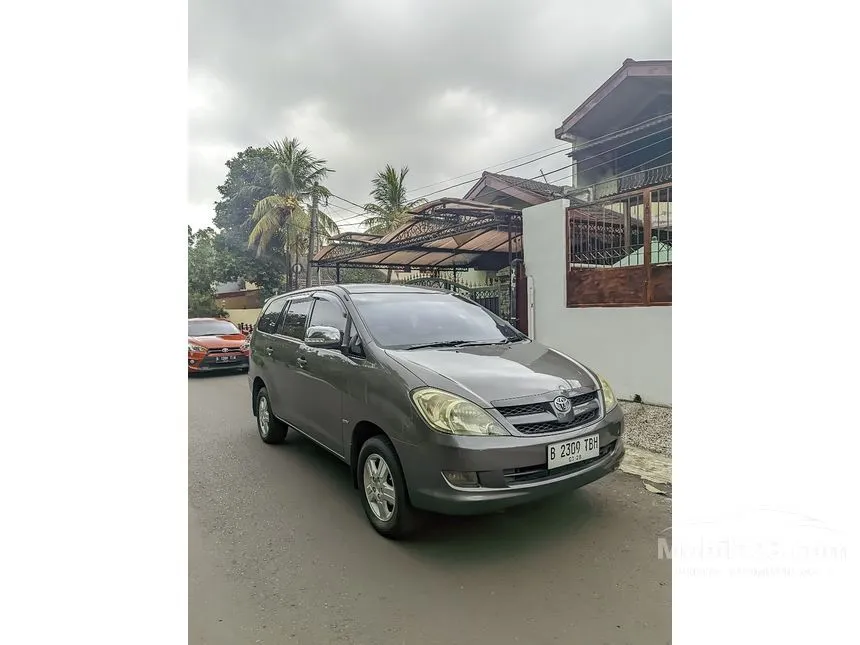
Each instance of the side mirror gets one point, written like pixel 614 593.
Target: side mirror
pixel 324 337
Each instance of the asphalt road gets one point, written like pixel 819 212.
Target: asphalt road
pixel 280 552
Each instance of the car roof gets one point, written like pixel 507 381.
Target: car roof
pixel 210 320
pixel 348 289
pixel 385 288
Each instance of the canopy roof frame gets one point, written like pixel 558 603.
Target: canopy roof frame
pixel 430 231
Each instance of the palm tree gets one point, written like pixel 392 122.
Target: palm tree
pixel 282 216
pixel 389 208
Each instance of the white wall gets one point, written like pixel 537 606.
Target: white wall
pixel 629 346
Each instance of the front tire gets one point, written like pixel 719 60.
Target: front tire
pixel 272 430
pixel 383 490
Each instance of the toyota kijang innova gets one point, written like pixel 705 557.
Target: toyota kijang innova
pixel 435 403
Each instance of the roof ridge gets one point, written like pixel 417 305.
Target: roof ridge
pixel 497 174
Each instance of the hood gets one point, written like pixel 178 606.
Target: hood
pixel 496 374
pixel 227 340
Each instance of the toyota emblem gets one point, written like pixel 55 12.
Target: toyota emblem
pixel 224 349
pixel 562 404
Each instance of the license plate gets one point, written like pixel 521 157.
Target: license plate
pixel 569 452
pixel 224 359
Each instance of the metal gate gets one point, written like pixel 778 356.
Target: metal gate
pixel 487 295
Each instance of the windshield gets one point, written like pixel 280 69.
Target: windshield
pixel 211 328
pixel 410 320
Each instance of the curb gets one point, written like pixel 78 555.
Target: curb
pixel 648 465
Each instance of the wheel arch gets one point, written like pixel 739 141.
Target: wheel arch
pixel 256 387
pixel 362 431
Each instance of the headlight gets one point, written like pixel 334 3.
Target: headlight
pixel 196 348
pixel 451 414
pixel 246 345
pixel 609 400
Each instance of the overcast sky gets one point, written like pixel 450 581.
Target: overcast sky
pixel 446 87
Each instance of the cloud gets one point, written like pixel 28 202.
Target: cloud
pixel 442 86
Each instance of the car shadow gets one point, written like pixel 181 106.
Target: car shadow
pixel 457 540
pixel 215 374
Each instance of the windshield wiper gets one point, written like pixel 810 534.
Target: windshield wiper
pixel 479 343
pixel 459 343
pixel 441 343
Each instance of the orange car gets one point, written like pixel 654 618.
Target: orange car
pixel 215 344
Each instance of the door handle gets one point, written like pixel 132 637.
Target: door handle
pixel 302 362
pixel 269 351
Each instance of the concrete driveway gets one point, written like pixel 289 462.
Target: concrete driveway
pixel 280 552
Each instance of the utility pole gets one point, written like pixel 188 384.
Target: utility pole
pixel 288 267
pixel 312 237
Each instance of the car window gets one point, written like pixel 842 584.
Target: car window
pixel 211 328
pixel 293 324
pixel 403 320
pixel 328 314
pixel 354 342
pixel 269 320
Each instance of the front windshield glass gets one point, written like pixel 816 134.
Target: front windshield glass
pixel 211 328
pixel 407 320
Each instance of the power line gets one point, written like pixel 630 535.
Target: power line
pixel 345 210
pixel 623 145
pixel 562 148
pixel 569 166
pixel 346 220
pixel 343 199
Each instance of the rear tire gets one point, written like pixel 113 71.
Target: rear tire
pixel 382 486
pixel 272 430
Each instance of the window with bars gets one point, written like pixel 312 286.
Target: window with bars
pixel 620 250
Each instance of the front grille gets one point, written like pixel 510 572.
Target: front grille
pixel 519 410
pixel 220 350
pixel 555 426
pixel 583 398
pixel 540 408
pixel 538 473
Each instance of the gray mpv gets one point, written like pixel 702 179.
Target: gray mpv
pixel 434 402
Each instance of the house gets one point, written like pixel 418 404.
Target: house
pixel 517 192
pixel 621 135
pixel 241 300
pixel 598 260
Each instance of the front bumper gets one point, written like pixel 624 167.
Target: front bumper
pixel 208 363
pixel 511 470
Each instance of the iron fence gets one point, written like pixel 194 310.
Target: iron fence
pixel 612 232
pixel 620 250
pixel 489 294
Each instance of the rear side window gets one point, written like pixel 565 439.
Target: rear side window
pixel 269 319
pixel 328 314
pixel 295 319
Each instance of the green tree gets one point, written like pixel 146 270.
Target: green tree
pixel 355 275
pixel 390 207
pixel 281 218
pixel 202 274
pixel 247 181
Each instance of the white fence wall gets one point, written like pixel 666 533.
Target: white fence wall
pixel 629 346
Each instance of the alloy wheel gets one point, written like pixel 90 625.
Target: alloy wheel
pixel 263 416
pixel 379 487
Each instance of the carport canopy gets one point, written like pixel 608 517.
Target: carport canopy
pixel 445 233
